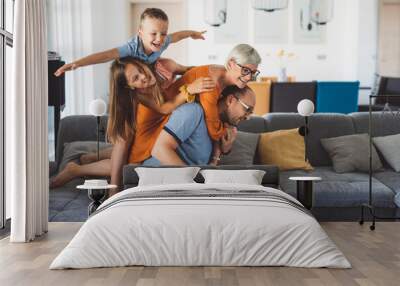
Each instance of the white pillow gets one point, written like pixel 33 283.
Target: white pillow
pixel 166 176
pixel 248 177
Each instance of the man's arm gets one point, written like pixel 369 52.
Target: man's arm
pixel 92 59
pixel 165 150
pixel 178 36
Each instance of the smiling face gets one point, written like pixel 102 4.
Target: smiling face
pixel 238 107
pixel 240 75
pixel 153 33
pixel 137 78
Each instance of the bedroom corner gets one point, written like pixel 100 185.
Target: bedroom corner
pixel 199 142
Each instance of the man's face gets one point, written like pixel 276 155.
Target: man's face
pixel 239 108
pixel 153 33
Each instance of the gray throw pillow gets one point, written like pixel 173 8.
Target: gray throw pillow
pixel 389 146
pixel 73 150
pixel 243 150
pixel 350 153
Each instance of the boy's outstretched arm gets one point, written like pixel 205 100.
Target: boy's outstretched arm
pixel 92 59
pixel 178 36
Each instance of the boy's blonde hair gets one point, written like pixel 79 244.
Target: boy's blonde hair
pixel 154 13
pixel 244 54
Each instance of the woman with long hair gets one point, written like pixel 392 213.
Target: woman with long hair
pixel 132 83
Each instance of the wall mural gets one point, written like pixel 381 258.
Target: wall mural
pixel 230 19
pixel 305 30
pixel 236 26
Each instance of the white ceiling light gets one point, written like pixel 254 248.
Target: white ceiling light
pixel 269 5
pixel 215 12
pixel 321 11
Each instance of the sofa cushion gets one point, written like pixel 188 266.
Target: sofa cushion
pixel 390 179
pixel 243 150
pixel 389 148
pixel 340 190
pixel 321 125
pixel 283 148
pixel 349 153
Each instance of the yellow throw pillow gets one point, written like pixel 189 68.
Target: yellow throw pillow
pixel 283 148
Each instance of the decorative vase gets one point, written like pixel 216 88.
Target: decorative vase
pixel 282 75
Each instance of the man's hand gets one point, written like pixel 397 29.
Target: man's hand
pixel 66 67
pixel 228 139
pixel 198 35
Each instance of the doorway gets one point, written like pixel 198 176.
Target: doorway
pixel 389 38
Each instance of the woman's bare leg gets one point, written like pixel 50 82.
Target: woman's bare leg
pixel 92 156
pixel 72 170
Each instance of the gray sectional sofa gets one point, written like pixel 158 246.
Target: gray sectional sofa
pixel 337 196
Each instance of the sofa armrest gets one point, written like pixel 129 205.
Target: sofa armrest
pixel 270 179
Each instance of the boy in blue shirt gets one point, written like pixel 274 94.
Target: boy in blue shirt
pixel 152 39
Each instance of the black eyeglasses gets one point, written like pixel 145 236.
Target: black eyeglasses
pixel 246 71
pixel 248 109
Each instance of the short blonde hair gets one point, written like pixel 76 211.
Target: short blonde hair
pixel 244 54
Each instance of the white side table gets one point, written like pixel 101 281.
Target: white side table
pixel 96 194
pixel 304 190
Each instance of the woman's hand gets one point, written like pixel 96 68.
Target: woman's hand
pixel 202 84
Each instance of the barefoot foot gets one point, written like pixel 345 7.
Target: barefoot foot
pixel 70 172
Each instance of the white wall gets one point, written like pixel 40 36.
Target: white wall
pixel 80 27
pixel 350 42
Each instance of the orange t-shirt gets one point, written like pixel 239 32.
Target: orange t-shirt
pixel 149 123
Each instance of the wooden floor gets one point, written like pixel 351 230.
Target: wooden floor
pixel 374 255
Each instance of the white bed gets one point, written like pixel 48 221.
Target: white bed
pixel 201 224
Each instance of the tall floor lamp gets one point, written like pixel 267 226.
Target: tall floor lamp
pixel 305 108
pixel 98 108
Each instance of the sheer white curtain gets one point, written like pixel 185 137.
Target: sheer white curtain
pixel 26 120
pixel 70 35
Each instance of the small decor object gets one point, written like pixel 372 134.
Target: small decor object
pixel 98 108
pixel 305 108
pixel 269 5
pixel 283 58
pixel 97 191
pixel 215 12
pixel 304 190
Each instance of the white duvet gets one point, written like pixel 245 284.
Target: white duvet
pixel 207 230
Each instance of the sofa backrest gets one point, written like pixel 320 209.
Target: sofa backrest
pixel 78 128
pixel 324 125
pixel 383 124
